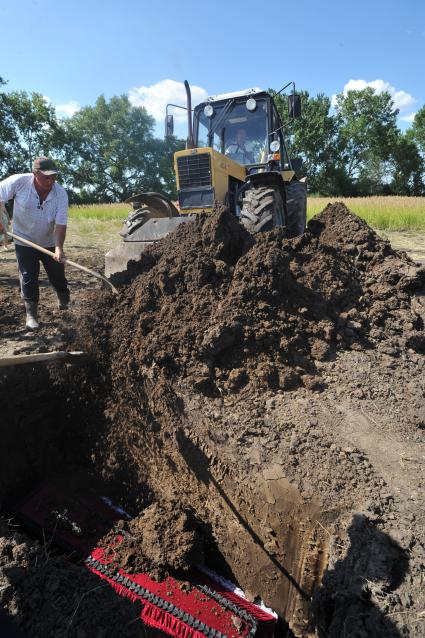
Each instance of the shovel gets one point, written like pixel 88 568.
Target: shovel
pixel 58 356
pixel 65 261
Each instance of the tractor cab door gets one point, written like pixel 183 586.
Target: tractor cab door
pixel 276 127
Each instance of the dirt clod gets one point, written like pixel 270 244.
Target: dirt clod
pixel 160 541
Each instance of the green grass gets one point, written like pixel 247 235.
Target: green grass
pixel 100 211
pixel 384 213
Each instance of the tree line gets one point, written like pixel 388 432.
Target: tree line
pixel 108 151
pixel 356 148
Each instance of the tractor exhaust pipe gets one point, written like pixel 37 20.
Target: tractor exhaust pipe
pixel 190 143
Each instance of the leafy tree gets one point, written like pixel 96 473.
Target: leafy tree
pixel 110 152
pixel 28 127
pixel 418 129
pixel 407 167
pixel 312 137
pixel 367 136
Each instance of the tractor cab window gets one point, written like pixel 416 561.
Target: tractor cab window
pixel 235 131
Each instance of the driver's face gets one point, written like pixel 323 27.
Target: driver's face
pixel 241 136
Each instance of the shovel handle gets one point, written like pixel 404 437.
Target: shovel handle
pixel 65 261
pixel 21 359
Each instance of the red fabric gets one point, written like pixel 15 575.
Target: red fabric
pixel 95 519
pixel 192 601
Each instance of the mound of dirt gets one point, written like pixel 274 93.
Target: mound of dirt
pixel 160 541
pixel 227 312
pixel 201 393
pixel 215 319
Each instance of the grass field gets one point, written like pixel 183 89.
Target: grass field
pixel 384 213
pixel 100 211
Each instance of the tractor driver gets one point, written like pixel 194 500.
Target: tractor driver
pixel 238 151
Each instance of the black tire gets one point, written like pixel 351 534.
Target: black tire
pixel 296 207
pixel 263 208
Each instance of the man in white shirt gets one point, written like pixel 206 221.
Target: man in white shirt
pixel 40 214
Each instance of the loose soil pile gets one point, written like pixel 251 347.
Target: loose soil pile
pixel 274 389
pixel 227 313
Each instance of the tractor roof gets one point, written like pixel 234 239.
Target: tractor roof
pixel 226 96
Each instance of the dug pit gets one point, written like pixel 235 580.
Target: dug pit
pixel 268 391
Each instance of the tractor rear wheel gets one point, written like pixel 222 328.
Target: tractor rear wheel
pixel 263 208
pixel 296 205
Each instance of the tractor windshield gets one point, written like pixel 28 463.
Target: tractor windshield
pixel 235 131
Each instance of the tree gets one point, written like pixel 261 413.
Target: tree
pixel 367 135
pixel 407 167
pixel 29 128
pixel 111 154
pixel 418 129
pixel 312 137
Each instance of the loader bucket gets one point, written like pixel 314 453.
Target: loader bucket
pixel 154 216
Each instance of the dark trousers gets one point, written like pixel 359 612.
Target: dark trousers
pixel 29 271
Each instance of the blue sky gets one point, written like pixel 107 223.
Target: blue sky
pixel 72 52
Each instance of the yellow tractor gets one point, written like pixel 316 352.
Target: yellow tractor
pixel 235 154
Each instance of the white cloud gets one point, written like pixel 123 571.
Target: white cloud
pixel 408 118
pixel 155 98
pixel 64 110
pixel 68 109
pixel 402 100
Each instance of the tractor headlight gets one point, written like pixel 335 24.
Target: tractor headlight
pixel 251 104
pixel 274 146
pixel 208 110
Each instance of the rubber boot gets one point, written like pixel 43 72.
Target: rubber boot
pixel 63 300
pixel 31 310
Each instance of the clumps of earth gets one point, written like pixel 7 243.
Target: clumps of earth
pixel 160 541
pixel 48 596
pixel 230 313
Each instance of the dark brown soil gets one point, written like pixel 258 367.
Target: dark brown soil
pixel 274 389
pixel 162 540
pixel 228 315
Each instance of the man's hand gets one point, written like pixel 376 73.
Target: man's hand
pixel 60 232
pixel 59 254
pixel 2 228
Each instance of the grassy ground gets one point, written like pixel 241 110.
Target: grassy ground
pixel 92 234
pixel 384 213
pixel 100 211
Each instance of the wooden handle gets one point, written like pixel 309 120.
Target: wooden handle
pixel 61 356
pixel 65 261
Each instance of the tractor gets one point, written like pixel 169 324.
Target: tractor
pixel 235 154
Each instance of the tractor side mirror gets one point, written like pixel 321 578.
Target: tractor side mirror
pixel 294 105
pixel 169 125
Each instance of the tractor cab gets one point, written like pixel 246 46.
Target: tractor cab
pixel 241 126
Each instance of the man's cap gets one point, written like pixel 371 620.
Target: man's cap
pixel 44 165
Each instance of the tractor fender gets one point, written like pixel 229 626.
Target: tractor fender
pixel 270 178
pixel 158 204
pixel 148 206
